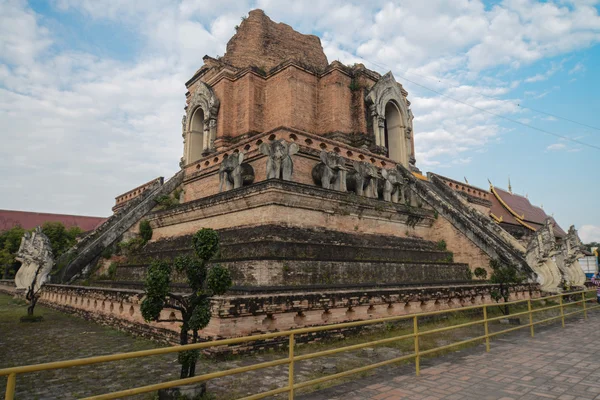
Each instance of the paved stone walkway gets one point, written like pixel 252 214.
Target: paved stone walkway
pixel 562 364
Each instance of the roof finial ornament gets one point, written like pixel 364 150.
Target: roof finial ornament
pixel 542 206
pixel 466 181
pixel 509 187
pixel 490 182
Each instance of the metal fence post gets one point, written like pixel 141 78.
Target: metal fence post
pixel 562 310
pixel 530 316
pixel 10 386
pixel 584 305
pixel 291 367
pixel 417 358
pixel 485 326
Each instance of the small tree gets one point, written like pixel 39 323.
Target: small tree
pixel 505 276
pixel 195 307
pixel 33 295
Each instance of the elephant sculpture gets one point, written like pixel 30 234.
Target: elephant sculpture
pixel 233 174
pixel 363 180
pixel 280 164
pixel 393 185
pixel 331 172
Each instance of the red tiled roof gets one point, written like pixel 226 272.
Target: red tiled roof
pixel 29 220
pixel 531 215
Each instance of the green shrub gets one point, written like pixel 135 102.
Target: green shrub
pixel 165 202
pixel 112 270
pixel 480 273
pixel 107 253
pixel 131 246
pixel 441 245
pixel 177 193
pixel 145 230
pixel 354 85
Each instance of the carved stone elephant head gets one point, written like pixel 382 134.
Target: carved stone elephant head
pixel 280 163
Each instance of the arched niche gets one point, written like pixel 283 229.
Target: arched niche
pixel 392 120
pixel 394 133
pixel 200 123
pixel 196 135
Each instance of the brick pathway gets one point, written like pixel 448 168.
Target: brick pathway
pixel 561 364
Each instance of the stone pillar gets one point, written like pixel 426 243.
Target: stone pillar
pixel 205 137
pixel 212 126
pixel 381 125
pixel 375 117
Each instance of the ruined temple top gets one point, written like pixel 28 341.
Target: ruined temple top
pixel 262 43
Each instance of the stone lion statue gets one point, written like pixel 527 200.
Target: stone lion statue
pixel 35 255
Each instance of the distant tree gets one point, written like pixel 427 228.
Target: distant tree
pixel 590 245
pixel 194 308
pixel 10 241
pixel 505 276
pixel 61 238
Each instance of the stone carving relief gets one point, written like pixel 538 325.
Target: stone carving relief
pixel 331 172
pixel 363 179
pixel 280 164
pixel 233 173
pixel 393 185
pixel 541 257
pixel 571 251
pixel 35 255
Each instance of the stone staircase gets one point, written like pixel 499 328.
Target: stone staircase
pixel 71 264
pixel 477 227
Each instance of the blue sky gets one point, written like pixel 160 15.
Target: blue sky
pixel 92 91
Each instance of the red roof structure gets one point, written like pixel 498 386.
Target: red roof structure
pixel 29 220
pixel 515 209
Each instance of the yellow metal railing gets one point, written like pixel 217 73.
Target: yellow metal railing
pixel 292 386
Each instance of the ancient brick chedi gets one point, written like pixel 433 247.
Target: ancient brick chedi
pixel 307 170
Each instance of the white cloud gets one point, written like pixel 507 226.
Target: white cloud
pixel 589 233
pixel 556 146
pixel 579 67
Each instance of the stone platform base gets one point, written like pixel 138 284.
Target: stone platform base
pixel 242 315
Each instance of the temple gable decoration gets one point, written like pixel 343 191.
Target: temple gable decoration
pixel 391 119
pixel 200 123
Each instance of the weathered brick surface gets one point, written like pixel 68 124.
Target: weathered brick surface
pixel 262 43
